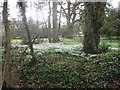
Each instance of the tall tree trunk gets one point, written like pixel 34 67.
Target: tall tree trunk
pixel 59 24
pixel 6 68
pixel 69 26
pixel 94 13
pixel 24 19
pixel 49 24
pixel 55 31
pixel 118 18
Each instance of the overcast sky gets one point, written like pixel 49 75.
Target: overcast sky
pixel 32 13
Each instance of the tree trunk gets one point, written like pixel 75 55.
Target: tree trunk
pixel 93 23
pixel 69 26
pixel 24 19
pixel 49 24
pixel 59 24
pixel 6 68
pixel 118 18
pixel 55 31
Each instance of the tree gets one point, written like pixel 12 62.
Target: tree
pixel 110 28
pixel 93 22
pixel 70 14
pixel 55 30
pixel 49 24
pixel 69 30
pixel 24 19
pixel 6 68
pixel 59 24
pixel 118 17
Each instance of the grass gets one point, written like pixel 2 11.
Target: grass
pixel 77 40
pixel 113 43
pixel 73 41
pixel 114 37
pixel 16 41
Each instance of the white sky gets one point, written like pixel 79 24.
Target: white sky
pixel 32 13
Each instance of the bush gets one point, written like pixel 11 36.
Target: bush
pixel 104 47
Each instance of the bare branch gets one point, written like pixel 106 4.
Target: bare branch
pixel 63 9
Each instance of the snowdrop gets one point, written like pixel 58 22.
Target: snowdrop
pixel 59 46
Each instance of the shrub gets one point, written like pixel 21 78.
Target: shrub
pixel 104 47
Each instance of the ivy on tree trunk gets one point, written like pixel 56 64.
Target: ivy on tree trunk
pixel 6 68
pixel 93 23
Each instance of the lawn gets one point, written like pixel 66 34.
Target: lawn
pixel 78 41
pixel 16 41
pixel 114 43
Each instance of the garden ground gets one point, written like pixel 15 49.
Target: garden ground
pixel 67 69
pixel 65 65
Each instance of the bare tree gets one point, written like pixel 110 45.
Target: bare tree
pixel 69 30
pixel 70 14
pixel 55 31
pixel 24 19
pixel 49 24
pixel 6 68
pixel 59 24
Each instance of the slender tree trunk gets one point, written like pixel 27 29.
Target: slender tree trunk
pixel 59 25
pixel 55 31
pixel 69 26
pixel 29 38
pixel 93 23
pixel 24 19
pixel 68 16
pixel 49 24
pixel 118 18
pixel 6 68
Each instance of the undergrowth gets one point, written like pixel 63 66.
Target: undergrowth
pixel 67 69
